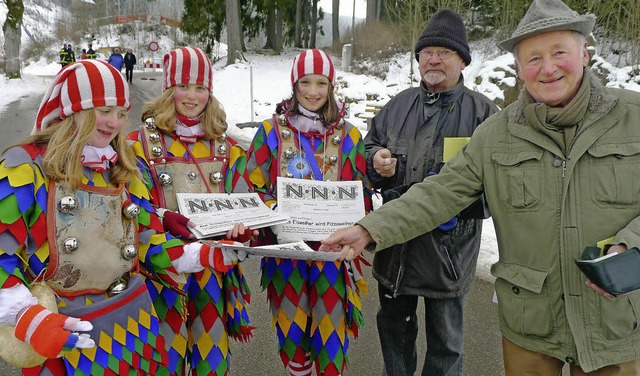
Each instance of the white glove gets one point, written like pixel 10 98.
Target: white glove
pixel 12 301
pixel 233 256
pixel 189 262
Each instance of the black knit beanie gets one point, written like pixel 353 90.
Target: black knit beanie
pixel 445 29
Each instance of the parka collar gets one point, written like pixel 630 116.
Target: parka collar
pixel 600 102
pixel 446 97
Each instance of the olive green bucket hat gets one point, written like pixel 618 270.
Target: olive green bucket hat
pixel 548 15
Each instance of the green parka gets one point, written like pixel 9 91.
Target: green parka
pixel 546 209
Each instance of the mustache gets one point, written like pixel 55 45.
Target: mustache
pixel 434 77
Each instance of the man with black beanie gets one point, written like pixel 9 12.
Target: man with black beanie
pixel 405 145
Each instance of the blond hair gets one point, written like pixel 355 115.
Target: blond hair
pixel 65 140
pixel 163 110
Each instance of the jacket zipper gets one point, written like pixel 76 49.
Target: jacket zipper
pixel 450 261
pixel 395 288
pixel 399 275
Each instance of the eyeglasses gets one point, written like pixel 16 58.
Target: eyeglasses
pixel 442 54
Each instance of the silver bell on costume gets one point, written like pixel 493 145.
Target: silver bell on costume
pixel 131 211
pixel 150 123
pixel 165 178
pixel 282 119
pixel 154 137
pixel 70 245
pixel 67 204
pixel 117 287
pixel 216 177
pixel 286 134
pixel 129 251
pixel 156 151
pixel 288 154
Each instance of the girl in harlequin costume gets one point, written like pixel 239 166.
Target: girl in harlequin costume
pixel 315 305
pixel 182 147
pixel 76 215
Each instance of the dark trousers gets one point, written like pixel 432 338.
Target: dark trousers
pixel 398 330
pixel 129 74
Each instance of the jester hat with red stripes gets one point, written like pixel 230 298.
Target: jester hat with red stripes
pixel 313 62
pixel 187 65
pixel 80 86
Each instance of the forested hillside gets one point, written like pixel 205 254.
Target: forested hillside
pixel 390 26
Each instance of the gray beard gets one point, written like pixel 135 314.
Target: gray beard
pixel 434 78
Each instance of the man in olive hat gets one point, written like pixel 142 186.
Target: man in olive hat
pixel 559 170
pixel 405 145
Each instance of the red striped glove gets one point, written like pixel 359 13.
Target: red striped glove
pixel 51 333
pixel 220 259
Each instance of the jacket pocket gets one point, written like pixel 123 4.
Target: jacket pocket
pixel 613 173
pixel 620 316
pixel 522 306
pixel 519 179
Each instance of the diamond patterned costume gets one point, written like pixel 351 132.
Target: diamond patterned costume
pixel 130 344
pixel 215 303
pixel 315 305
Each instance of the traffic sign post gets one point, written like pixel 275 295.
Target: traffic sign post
pixel 153 47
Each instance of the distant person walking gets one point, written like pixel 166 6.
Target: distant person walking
pixel 72 55
pixel 91 54
pixel 65 59
pixel 116 59
pixel 129 62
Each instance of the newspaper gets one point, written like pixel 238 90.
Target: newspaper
pixel 215 213
pixel 296 251
pixel 318 208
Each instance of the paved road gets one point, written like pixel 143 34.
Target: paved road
pixel 482 347
pixel 16 122
pixel 259 357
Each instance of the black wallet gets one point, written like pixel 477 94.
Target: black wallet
pixel 617 273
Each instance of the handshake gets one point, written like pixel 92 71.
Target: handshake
pixel 221 259
pixel 209 254
pixel 178 225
